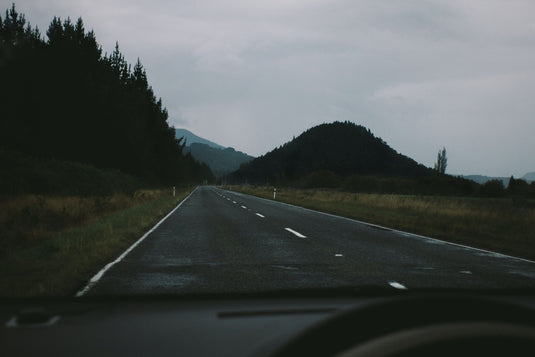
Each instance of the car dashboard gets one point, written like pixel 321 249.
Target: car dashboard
pixel 405 323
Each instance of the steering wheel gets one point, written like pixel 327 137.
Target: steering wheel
pixel 421 326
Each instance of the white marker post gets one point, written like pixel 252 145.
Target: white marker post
pixel 174 191
pixel 274 193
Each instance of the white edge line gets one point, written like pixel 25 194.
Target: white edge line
pixel 101 273
pixel 296 233
pixel 397 231
pixel 397 285
pixel 259 215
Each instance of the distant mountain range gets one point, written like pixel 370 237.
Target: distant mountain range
pixel 343 149
pixel 221 160
pixel 530 176
pixel 481 179
pixel 192 138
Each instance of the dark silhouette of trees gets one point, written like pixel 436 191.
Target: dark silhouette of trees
pixel 493 188
pixel 518 187
pixel 62 99
pixel 442 161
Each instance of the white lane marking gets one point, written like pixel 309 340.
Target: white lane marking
pixel 397 285
pixel 234 202
pixel 259 215
pixel 407 234
pixel 243 207
pixel 284 267
pixel 465 272
pixel 100 274
pixel 338 255
pixel 296 233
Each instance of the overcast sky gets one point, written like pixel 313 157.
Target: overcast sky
pixel 253 74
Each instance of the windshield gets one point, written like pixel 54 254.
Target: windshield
pixel 163 147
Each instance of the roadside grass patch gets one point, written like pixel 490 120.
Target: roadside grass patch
pixel 60 263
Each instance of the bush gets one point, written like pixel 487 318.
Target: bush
pixel 492 188
pixel 20 174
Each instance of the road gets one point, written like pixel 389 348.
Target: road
pixel 223 241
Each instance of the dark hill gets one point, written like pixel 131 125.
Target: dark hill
pixel 342 148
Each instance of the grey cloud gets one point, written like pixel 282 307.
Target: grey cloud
pixel 252 74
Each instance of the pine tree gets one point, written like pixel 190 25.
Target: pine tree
pixel 13 27
pixel 55 32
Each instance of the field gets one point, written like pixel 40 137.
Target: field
pixel 503 225
pixel 51 245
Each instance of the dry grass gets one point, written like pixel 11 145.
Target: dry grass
pixel 58 243
pixel 28 220
pixel 504 225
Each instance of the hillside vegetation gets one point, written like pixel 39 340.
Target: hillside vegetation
pixel 221 161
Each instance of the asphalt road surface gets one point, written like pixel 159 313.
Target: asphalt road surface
pixel 223 241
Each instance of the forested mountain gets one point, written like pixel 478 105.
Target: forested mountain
pixel 342 149
pixel 221 161
pixel 63 99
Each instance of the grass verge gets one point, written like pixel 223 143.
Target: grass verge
pixel 503 225
pixel 61 263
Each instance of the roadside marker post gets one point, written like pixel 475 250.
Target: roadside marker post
pixel 274 193
pixel 174 191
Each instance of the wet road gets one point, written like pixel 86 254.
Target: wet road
pixel 222 241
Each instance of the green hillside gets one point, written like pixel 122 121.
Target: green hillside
pixel 220 161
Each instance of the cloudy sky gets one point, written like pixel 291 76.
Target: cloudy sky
pixel 253 74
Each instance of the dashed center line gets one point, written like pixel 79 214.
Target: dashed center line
pixel 234 202
pixel 338 255
pixel 259 215
pixel 243 207
pixel 294 232
pixel 397 285
pixel 465 272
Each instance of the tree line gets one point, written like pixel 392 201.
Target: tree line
pixel 62 98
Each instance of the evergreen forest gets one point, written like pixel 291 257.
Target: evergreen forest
pixel 63 99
